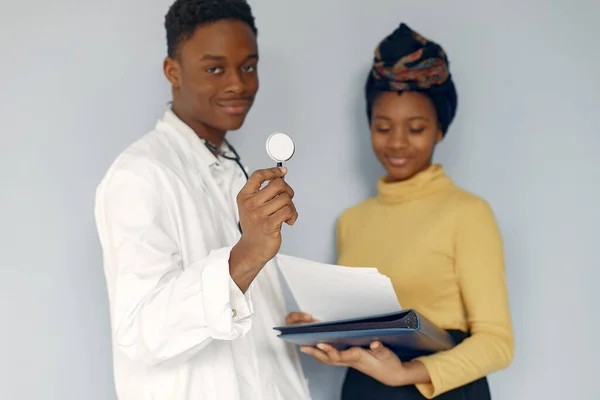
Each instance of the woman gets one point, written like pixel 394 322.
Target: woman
pixel 439 244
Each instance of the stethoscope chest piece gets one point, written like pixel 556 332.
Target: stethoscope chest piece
pixel 280 147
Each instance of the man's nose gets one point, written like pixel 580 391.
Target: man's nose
pixel 236 83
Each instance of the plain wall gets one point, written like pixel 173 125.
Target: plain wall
pixel 81 80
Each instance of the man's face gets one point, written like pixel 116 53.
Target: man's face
pixel 214 75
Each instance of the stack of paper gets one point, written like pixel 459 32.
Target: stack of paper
pixel 332 292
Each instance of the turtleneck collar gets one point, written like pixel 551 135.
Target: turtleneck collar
pixel 422 184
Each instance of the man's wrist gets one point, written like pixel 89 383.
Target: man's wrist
pixel 242 257
pixel 243 265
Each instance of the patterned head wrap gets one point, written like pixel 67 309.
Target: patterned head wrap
pixel 406 61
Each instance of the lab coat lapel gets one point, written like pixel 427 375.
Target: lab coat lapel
pixel 212 190
pixel 197 156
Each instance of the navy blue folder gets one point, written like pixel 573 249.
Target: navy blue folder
pixel 407 333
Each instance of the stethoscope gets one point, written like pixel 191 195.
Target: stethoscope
pixel 280 148
pixel 236 156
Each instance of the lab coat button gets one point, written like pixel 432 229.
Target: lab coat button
pixel 233 313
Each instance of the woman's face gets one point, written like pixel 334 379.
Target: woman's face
pixel 404 132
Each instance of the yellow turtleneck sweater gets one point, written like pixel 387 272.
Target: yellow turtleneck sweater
pixel 443 252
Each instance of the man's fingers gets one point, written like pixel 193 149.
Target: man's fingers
pixel 273 189
pixel 292 220
pixel 271 207
pixel 285 214
pixel 281 202
pixel 260 176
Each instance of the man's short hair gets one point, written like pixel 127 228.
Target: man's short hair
pixel 184 16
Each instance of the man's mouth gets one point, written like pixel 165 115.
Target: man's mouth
pixel 236 107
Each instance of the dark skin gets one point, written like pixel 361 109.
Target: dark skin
pixel 404 133
pixel 214 82
pixel 214 78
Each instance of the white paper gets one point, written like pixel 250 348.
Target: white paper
pixel 332 292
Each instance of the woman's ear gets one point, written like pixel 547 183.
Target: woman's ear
pixel 439 136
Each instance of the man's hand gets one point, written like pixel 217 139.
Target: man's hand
pixel 262 213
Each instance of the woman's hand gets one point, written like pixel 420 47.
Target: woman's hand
pixel 378 362
pixel 297 318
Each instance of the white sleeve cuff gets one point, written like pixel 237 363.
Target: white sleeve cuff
pixel 228 311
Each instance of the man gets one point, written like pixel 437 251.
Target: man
pixel 193 301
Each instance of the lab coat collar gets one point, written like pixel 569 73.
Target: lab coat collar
pixel 196 155
pixel 197 151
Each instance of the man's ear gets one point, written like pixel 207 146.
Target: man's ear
pixel 172 70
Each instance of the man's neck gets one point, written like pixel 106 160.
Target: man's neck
pixel 212 135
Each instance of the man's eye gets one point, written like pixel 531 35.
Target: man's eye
pixel 214 70
pixel 416 130
pixel 249 68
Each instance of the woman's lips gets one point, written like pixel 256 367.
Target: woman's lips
pixel 397 161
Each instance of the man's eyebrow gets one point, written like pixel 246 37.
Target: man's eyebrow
pixel 213 57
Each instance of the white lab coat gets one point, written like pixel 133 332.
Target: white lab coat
pixel 181 328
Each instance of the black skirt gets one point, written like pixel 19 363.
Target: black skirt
pixel 358 386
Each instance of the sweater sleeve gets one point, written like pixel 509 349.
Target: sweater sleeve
pixel 479 265
pixel 339 235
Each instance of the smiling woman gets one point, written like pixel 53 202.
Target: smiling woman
pixel 438 243
pixel 404 132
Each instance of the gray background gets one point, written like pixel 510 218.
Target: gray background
pixel 80 80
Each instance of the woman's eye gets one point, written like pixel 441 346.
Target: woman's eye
pixel 416 130
pixel 249 68
pixel 382 129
